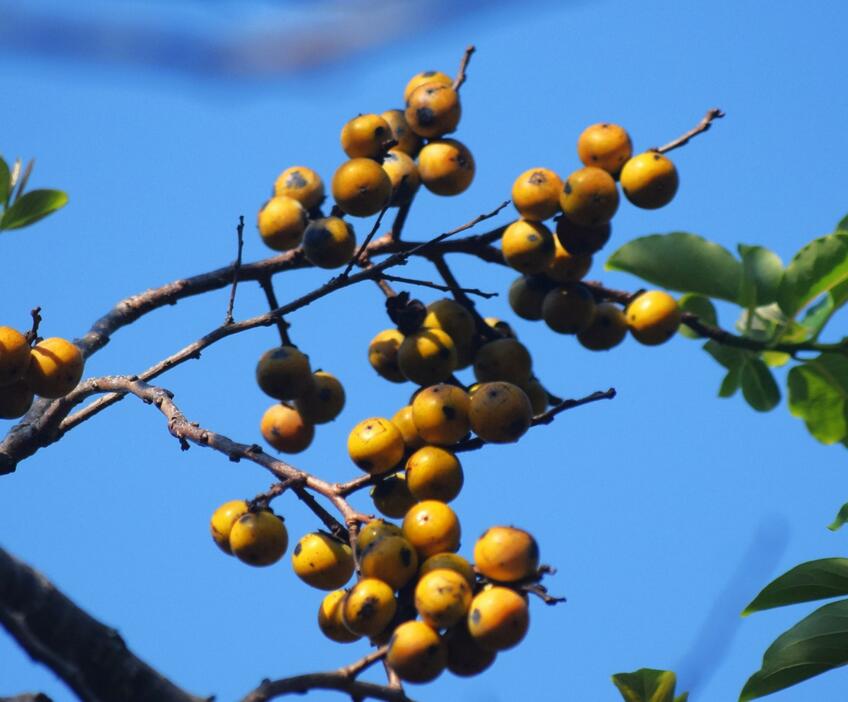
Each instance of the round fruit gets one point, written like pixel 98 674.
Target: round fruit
pixel 375 445
pixel 392 497
pixel 369 607
pixel 432 473
pixel 366 136
pixel 535 194
pixel 405 424
pixel 527 246
pixel 608 328
pixel 425 77
pixel 589 197
pixel 442 598
pixel 649 180
pixel 653 317
pixel 403 174
pixel 569 309
pixel 282 221
pixel 454 319
pixel 606 146
pixel 376 529
pixel 566 267
pixel 506 554
pixel 450 561
pixel 503 359
pixel 500 412
pixel 323 401
pixel 416 652
pixel 498 618
pixel 526 295
pixel 330 618
pixel 284 373
pixel 431 527
pixel 15 400
pixel 285 429
pixel 322 561
pixel 440 414
pixel 55 368
pixel 465 657
pixel 427 357
pixel 222 522
pixel 361 187
pixel 501 327
pixel 446 167
pixel 537 395
pixel 259 538
pixel 14 356
pixel 579 240
pixel 391 559
pixel 301 183
pixel 329 242
pixel 383 355
pixel 433 109
pixel 407 140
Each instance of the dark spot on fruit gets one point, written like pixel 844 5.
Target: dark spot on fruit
pixel 444 353
pixel 462 161
pixel 279 354
pixel 656 157
pixel 534 550
pixel 405 557
pixel 433 649
pixel 298 549
pixel 379 131
pixel 532 237
pixel 427 74
pixel 425 116
pixel 449 412
pixel 604 126
pixel 475 616
pixel 296 180
pixel 537 178
pixel 567 188
pixel 594 158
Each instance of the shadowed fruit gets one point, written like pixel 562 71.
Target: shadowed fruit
pixel 416 652
pixel 608 328
pixel 402 419
pixel 407 140
pixel 14 356
pixel 330 619
pixel 579 240
pixel 526 295
pixel 403 174
pixel 329 242
pixel 566 267
pixel 569 309
pixel 500 412
pixel 15 400
pixel 391 559
pixel 427 357
pixel 451 561
pixel 503 359
pixel 465 657
pixel 442 597
pixel 383 355
pixel 454 319
pixel 528 247
pixel 285 429
pixel 323 401
pixel 283 373
pixel 376 529
pixel 392 497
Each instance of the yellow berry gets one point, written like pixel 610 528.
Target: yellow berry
pixel 432 473
pixel 431 527
pixel 503 359
pixel 330 619
pixel 323 401
pixel 329 242
pixel 416 652
pixel 535 194
pixel 527 246
pixel 500 412
pixel 427 357
pixel 284 373
pixel 392 497
pixel 605 146
pixel 391 559
pixel 15 400
pixel 569 309
pixel 440 414
pixel 222 522
pixel 433 110
pixel 301 183
pixel 506 554
pixel 653 317
pixel 406 425
pixel 589 197
pixel 375 445
pixel 55 368
pixel 285 429
pixel 366 136
pixel 649 180
pixel 498 618
pixel 369 607
pixel 383 355
pixel 14 356
pixel 259 538
pixel 403 174
pixel 451 561
pixel 446 167
pixel 566 267
pixel 608 328
pixel 442 598
pixel 322 561
pixel 361 187
pixel 282 221
pixel 454 319
pixel 425 77
pixel 375 529
pixel 407 140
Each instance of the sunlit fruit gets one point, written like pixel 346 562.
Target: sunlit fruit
pixel 653 317
pixel 282 221
pixel 375 445
pixel 55 367
pixel 589 197
pixel 366 136
pixel 301 183
pixel 604 145
pixel 649 180
pixel 431 527
pixel 446 167
pixel 506 554
pixel 369 607
pixel 361 187
pixel 259 538
pixel 330 619
pixel 498 618
pixel 440 414
pixel 322 561
pixel 416 652
pixel 535 194
pixel 391 559
pixel 434 473
pixel 222 522
pixel 285 429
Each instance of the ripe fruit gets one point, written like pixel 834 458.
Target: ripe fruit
pixel 329 242
pixel 285 429
pixel 369 607
pixel 535 194
pixel 55 368
pixel 649 180
pixel 451 561
pixel 526 295
pixel 465 657
pixel 301 183
pixel 383 355
pixel 506 554
pixel 282 221
pixel 407 140
pixel 432 473
pixel 416 652
pixel 446 167
pixel 527 246
pixel 259 538
pixel 376 529
pixel 366 136
pixel 653 317
pixel 606 146
pixel 569 309
pixel 427 357
pixel 330 618
pixel 375 445
pixel 322 561
pixel 503 359
pixel 15 400
pixel 361 187
pixel 392 497
pixel 566 267
pixel 431 527
pixel 323 400
pixel 391 559
pixel 608 328
pixel 433 109
pixel 403 174
pixel 579 240
pixel 14 356
pixel 425 77
pixel 283 373
pixel 454 319
pixel 442 597
pixel 222 522
pixel 440 414
pixel 589 197
pixel 500 412
pixel 405 424
pixel 498 618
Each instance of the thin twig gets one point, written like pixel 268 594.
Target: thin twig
pixel 400 219
pixel 357 667
pixel 32 334
pixel 300 684
pixel 282 325
pixel 702 126
pixel 463 66
pixel 236 268
pixel 438 286
pixel 485 330
pixel 364 246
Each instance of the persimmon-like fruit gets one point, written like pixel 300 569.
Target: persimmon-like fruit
pixel 500 412
pixel 440 414
pixel 284 373
pixel 330 619
pixel 608 328
pixel 589 197
pixel 653 317
pixel 431 527
pixel 465 657
pixel 434 473
pixel 605 146
pixel 454 319
pixel 222 522
pixel 579 240
pixel 403 174
pixel 322 561
pixel 649 180
pixel 369 607
pixel 301 183
pixel 535 194
pixel 506 554
pixel 375 445
pixel 285 429
pixel 391 559
pixel 407 140
pixel 323 401
pixel 528 247
pixel 433 110
pixel 383 355
pixel 282 221
pixel 526 295
pixel 498 618
pixel 361 187
pixel 442 597
pixel 416 652
pixel 425 77
pixel 451 561
pixel 427 357
pixel 259 538
pixel 329 242
pixel 446 167
pixel 15 400
pixel 392 497
pixel 366 136
pixel 55 367
pixel 14 356
pixel 569 309
pixel 373 530
pixel 503 359
pixel 566 267
pixel 402 419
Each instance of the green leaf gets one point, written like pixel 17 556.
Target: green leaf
pixel 682 698
pixel 698 305
pixel 813 646
pixel 5 182
pixel 728 356
pixel 775 359
pixel 843 224
pixel 818 267
pixel 646 685
pixel 31 207
pixel 681 261
pixel 762 271
pixel 841 518
pixel 820 313
pixel 814 580
pixel 818 394
pixel 758 386
pixel 731 382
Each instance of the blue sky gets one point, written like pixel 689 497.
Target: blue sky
pixel 664 510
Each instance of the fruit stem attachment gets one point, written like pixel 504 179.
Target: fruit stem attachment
pixel 282 325
pixel 32 335
pixel 228 319
pixel 463 66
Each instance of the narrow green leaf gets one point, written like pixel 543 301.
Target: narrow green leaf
pixel 841 518
pixel 758 386
pixel 819 266
pixel 31 207
pixel 646 685
pixel 701 306
pixel 818 394
pixel 5 182
pixel 681 261
pixel 731 382
pixel 820 313
pixel 813 580
pixel 728 356
pixel 762 271
pixel 813 646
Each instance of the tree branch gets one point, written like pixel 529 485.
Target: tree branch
pixel 702 126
